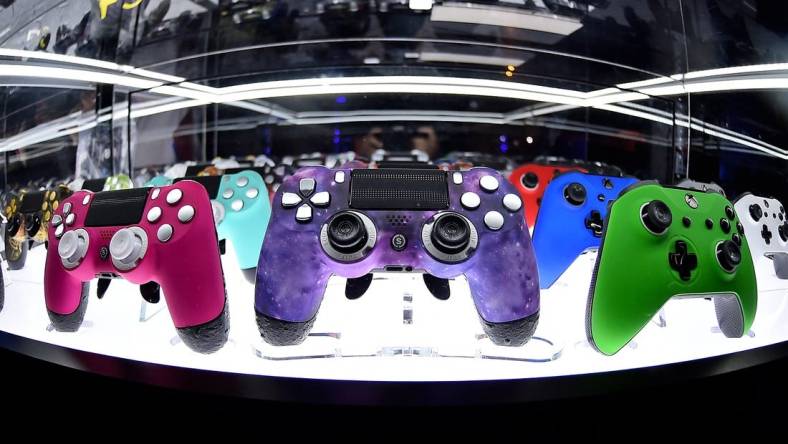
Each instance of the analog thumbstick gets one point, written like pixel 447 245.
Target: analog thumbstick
pixel 13 225
pixel 729 255
pixel 656 216
pixel 346 233
pixel 126 247
pixel 575 193
pixel 72 248
pixel 756 212
pixel 32 224
pixel 530 180
pixel 451 233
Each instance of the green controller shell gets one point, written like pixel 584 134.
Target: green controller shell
pixel 632 278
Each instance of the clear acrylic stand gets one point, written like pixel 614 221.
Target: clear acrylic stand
pixel 148 311
pixel 85 324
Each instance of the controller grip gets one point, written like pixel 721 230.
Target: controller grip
pixel 65 295
pixel 15 252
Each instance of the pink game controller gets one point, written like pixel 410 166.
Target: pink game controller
pixel 165 235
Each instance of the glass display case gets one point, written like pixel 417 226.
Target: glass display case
pixel 333 192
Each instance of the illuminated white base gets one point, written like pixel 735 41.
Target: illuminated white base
pixel 375 343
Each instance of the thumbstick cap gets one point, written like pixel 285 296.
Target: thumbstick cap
pixel 729 255
pixel 72 247
pixel 346 232
pixel 13 224
pixel 125 247
pixel 530 180
pixel 656 216
pixel 756 212
pixel 451 233
pixel 575 193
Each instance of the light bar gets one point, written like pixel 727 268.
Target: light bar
pixel 504 17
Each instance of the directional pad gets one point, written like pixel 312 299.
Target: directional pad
pixel 766 234
pixel 683 261
pixel 595 223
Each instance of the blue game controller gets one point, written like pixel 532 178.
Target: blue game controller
pixel 571 219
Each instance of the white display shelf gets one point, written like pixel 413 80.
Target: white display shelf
pixel 369 339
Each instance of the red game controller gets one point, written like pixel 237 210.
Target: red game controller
pixel 531 181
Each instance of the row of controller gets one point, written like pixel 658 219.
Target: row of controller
pixel 352 222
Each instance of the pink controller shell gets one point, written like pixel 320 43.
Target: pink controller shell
pixel 188 266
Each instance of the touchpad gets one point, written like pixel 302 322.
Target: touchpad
pixel 399 189
pixel 116 208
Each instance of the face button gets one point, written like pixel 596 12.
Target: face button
pixel 530 180
pixel 228 193
pixel 709 224
pixel 493 220
pixel 740 228
pixel 304 213
pixel 728 255
pixel 451 233
pixel 766 202
pixel 729 212
pixel 488 183
pixel 682 260
pixel 72 248
pixel 575 194
pixel 756 212
pixel 595 223
pixel 67 208
pixel 766 234
pixel 321 199
pixel 186 213
pixel 56 220
pixel 470 200
pixel 339 177
pixel 237 205
pixel 164 233
pixel 346 233
pixel 86 199
pixel 59 231
pixel 512 202
pixel 725 225
pixel 70 219
pixel 269 179
pixel 399 242
pixel 656 216
pixel 289 200
pixel 252 193
pixel 686 221
pixel 242 181
pixel 457 178
pixel 154 214
pixel 174 196
pixel 126 248
pixel 607 183
pixel 691 201
pixel 155 193
pixel 306 186
pixel 736 238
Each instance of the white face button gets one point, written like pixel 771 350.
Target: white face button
pixel 164 233
pixel 470 200
pixel 59 231
pixel 306 186
pixel 304 213
pixel 339 176
pixel 154 214
pixel 67 208
pixel 252 193
pixel 321 199
pixel 56 220
pixel 512 202
pixel 237 205
pixel 228 193
pixel 174 196
pixel 242 181
pixel 457 177
pixel 70 219
pixel 493 220
pixel 155 193
pixel 72 248
pixel 489 183
pixel 289 200
pixel 269 179
pixel 126 247
pixel 86 199
pixel 186 213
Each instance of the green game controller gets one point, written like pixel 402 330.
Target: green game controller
pixel 664 242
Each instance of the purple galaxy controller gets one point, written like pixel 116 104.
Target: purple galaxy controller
pixel 165 235
pixel 352 222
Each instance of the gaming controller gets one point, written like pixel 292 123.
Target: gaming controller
pixel 241 211
pixel 571 220
pixel 110 183
pixel 165 235
pixel 766 228
pixel 531 182
pixel 662 242
pixel 350 222
pixel 701 186
pixel 28 218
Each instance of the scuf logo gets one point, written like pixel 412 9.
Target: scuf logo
pixel 105 4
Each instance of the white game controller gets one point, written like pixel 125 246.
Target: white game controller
pixel 765 225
